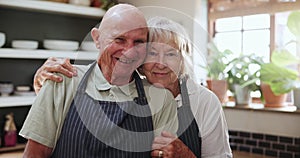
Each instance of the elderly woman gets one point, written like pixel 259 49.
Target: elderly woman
pixel 202 127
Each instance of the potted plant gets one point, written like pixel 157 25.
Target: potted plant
pixel 279 77
pixel 276 74
pixel 241 70
pixel 216 67
pixel 294 27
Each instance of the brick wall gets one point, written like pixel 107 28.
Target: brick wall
pixel 265 144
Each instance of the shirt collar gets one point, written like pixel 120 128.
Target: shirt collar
pixel 128 89
pixel 100 81
pixel 102 84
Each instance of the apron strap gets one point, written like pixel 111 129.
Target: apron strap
pixel 184 91
pixel 141 99
pixel 82 85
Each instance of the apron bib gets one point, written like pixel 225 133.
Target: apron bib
pixel 188 130
pixel 106 129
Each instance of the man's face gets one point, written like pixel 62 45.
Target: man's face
pixel 122 53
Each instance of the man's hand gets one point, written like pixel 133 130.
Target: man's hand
pixel 171 147
pixel 46 71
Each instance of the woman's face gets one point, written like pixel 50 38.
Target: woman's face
pixel 163 64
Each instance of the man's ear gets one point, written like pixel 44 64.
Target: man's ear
pixel 95 35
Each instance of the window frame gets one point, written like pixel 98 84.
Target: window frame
pixel 233 8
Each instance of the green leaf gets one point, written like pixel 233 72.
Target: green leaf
pixel 283 57
pixel 294 23
pixel 281 79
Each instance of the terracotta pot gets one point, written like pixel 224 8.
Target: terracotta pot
pixel 272 100
pixel 219 87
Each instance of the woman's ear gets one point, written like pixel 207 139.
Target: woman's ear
pixel 95 35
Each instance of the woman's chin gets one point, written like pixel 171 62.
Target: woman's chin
pixel 159 85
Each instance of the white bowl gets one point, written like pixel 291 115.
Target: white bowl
pixel 2 39
pixel 89 46
pixel 61 44
pixel 6 88
pixel 25 44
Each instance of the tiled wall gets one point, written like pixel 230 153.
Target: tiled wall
pixel 264 144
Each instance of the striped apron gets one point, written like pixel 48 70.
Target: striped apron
pixel 188 130
pixel 106 129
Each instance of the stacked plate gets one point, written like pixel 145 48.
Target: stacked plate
pixel 89 46
pixel 25 44
pixel 61 45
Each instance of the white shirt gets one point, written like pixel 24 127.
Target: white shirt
pixel 210 118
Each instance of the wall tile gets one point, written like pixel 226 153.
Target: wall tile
pixel 257 136
pixel 278 146
pixel 285 155
pixel 286 140
pixel 271 138
pixel 258 151
pixel 245 134
pixel 265 144
pixel 271 153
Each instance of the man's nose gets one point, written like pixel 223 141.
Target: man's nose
pixel 129 45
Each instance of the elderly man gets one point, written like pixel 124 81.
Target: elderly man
pixel 104 111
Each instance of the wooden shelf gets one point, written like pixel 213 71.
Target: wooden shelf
pixel 44 54
pixel 14 101
pixel 13 148
pixel 53 7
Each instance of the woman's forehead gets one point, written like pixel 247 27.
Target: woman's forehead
pixel 163 44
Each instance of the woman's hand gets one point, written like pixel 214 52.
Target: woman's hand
pixel 46 71
pixel 171 147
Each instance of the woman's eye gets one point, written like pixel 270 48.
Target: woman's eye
pixel 152 54
pixel 171 54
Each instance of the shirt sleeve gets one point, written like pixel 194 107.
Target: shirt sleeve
pixel 212 124
pixel 45 117
pixel 164 109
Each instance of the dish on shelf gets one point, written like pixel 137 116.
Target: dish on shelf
pixel 23 88
pixel 2 39
pixel 6 88
pixel 80 2
pixel 89 46
pixel 25 44
pixel 61 45
pixel 24 93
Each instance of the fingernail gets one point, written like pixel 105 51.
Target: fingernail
pixel 74 72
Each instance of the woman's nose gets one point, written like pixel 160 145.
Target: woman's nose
pixel 161 62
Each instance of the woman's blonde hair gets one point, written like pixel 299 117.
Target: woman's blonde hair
pixel 162 29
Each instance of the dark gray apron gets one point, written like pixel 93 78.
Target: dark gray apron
pixel 188 130
pixel 106 129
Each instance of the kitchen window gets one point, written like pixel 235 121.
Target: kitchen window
pixel 256 34
pixel 244 34
pixel 251 27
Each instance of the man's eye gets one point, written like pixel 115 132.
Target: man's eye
pixel 119 40
pixel 139 41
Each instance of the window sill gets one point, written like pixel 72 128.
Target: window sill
pixel 257 119
pixel 289 108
